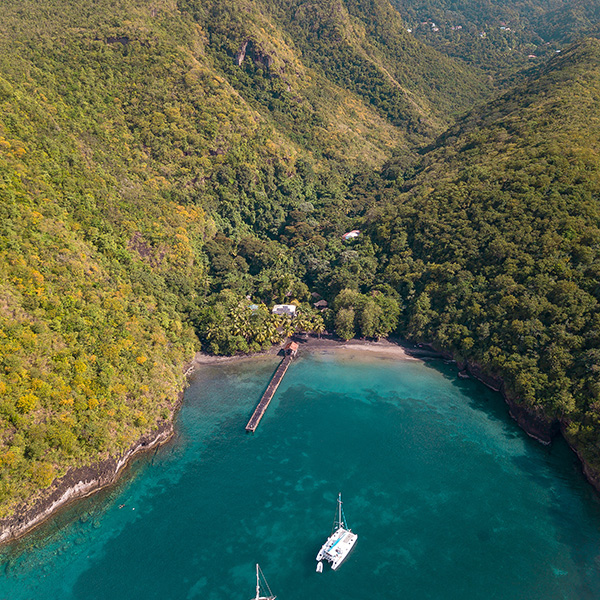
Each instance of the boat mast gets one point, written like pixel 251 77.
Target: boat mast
pixel 340 509
pixel 258 596
pixel 257 584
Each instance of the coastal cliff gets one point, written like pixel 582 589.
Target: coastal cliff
pixel 172 172
pixel 83 481
pixel 78 483
pixel 535 423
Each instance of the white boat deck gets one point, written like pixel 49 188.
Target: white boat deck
pixel 337 547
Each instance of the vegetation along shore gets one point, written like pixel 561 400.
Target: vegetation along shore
pixel 172 171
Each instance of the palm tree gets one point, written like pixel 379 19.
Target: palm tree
pixel 239 320
pixel 302 324
pixel 287 327
pixel 318 324
pixel 261 334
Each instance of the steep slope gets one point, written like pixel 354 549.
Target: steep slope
pixel 364 45
pixel 357 45
pixel 162 162
pixel 154 160
pixel 494 242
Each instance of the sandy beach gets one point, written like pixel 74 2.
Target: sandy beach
pixel 383 347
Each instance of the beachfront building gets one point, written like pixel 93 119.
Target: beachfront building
pixel 291 348
pixel 285 309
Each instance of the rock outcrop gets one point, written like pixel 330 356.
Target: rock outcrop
pixel 532 421
pixel 253 51
pixel 75 484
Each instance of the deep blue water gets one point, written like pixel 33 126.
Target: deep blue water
pixel 450 499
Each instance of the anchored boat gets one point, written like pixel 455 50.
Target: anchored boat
pixel 339 543
pixel 260 574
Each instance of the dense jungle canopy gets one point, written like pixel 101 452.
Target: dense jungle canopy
pixel 171 169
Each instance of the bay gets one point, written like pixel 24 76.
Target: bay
pixel 450 499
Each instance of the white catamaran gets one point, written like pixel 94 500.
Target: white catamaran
pixel 259 573
pixel 339 543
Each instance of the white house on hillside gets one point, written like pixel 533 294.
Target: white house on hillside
pixel 350 235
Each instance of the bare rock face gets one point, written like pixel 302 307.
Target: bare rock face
pixel 591 474
pixel 533 422
pixel 241 54
pixel 77 483
pixel 253 51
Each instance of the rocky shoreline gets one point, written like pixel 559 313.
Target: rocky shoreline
pixel 78 483
pixel 83 481
pixel 533 422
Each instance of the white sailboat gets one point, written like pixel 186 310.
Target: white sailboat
pixel 259 573
pixel 339 543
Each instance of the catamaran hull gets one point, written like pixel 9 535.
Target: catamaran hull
pixel 337 548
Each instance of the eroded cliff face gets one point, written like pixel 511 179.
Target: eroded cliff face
pixel 533 422
pixel 590 473
pixel 77 483
pixel 252 50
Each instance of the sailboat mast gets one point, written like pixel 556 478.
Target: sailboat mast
pixel 340 509
pixel 257 584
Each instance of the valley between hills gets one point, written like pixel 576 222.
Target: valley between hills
pixel 170 170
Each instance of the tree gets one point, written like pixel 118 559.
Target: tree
pixel 287 326
pixel 344 323
pixel 347 298
pixel 388 315
pixel 318 324
pixel 369 318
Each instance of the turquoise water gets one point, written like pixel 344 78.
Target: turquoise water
pixel 449 498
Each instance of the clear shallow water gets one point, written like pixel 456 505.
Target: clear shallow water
pixel 449 498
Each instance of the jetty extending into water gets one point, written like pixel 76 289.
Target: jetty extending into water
pixel 290 351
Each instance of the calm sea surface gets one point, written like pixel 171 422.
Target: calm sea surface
pixel 449 498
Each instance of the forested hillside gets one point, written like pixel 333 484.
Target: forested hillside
pixel 502 37
pixel 493 242
pixel 170 169
pixel 157 161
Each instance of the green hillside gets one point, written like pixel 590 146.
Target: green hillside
pixel 502 37
pixel 156 162
pixel 165 165
pixel 493 242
